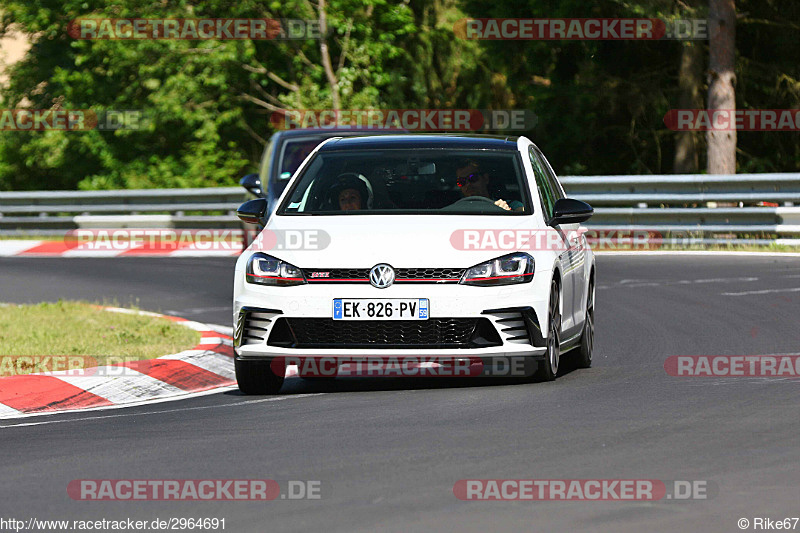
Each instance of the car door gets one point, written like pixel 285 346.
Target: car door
pixel 549 195
pixel 576 250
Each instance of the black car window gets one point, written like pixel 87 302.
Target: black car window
pixel 555 186
pixel 546 192
pixel 410 181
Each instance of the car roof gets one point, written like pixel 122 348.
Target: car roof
pixel 460 142
pixel 334 132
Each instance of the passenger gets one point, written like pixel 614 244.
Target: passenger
pixel 349 193
pixel 350 200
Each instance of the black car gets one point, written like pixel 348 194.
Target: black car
pixel 284 153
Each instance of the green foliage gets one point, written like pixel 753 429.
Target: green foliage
pixel 600 104
pixel 204 126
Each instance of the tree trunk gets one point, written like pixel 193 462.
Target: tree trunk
pixel 326 57
pixel 690 79
pixel 721 80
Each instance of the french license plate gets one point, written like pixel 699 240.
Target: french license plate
pixel 380 309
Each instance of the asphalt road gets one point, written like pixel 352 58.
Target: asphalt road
pixel 388 452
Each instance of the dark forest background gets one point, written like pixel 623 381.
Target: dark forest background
pixel 600 104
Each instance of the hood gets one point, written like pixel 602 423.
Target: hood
pixel 362 241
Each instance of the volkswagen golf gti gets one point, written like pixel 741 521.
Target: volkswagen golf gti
pixel 460 248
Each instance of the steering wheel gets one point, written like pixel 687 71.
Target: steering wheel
pixel 473 201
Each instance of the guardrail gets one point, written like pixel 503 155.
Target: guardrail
pixel 684 189
pixel 712 208
pixel 55 212
pixel 695 208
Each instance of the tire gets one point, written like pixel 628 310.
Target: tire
pixel 587 337
pixel 257 377
pixel 548 369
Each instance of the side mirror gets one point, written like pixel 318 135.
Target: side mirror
pixel 252 182
pixel 252 212
pixel 570 211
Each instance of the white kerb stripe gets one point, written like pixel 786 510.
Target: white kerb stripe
pixel 131 311
pixel 129 387
pixel 91 253
pixel 9 248
pixel 216 340
pixel 189 252
pixel 197 326
pixel 216 363
pixel 7 411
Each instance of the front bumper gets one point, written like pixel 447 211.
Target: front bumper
pixel 509 318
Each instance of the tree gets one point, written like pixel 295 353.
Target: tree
pixel 207 102
pixel 600 104
pixel 721 81
pixel 690 84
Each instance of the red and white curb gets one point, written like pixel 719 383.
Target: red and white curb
pixel 35 248
pixel 206 367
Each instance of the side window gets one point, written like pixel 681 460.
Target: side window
pixel 546 193
pixel 551 176
pixel 263 168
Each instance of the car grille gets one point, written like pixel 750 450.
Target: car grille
pixel 512 326
pixel 402 275
pixel 337 274
pixel 518 325
pixel 428 274
pixel 432 333
pixel 252 325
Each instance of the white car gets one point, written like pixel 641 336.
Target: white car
pixel 461 248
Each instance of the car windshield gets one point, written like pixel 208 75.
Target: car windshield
pixel 410 181
pixel 294 152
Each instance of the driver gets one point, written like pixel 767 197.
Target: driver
pixel 473 182
pixel 349 193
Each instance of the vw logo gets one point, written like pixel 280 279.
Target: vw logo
pixel 381 276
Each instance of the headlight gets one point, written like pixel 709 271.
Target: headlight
pixel 263 269
pixel 506 270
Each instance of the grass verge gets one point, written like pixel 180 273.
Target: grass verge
pixel 95 336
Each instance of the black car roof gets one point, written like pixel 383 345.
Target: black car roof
pixel 333 132
pixel 460 142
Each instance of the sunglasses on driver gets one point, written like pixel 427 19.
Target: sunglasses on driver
pixel 472 178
